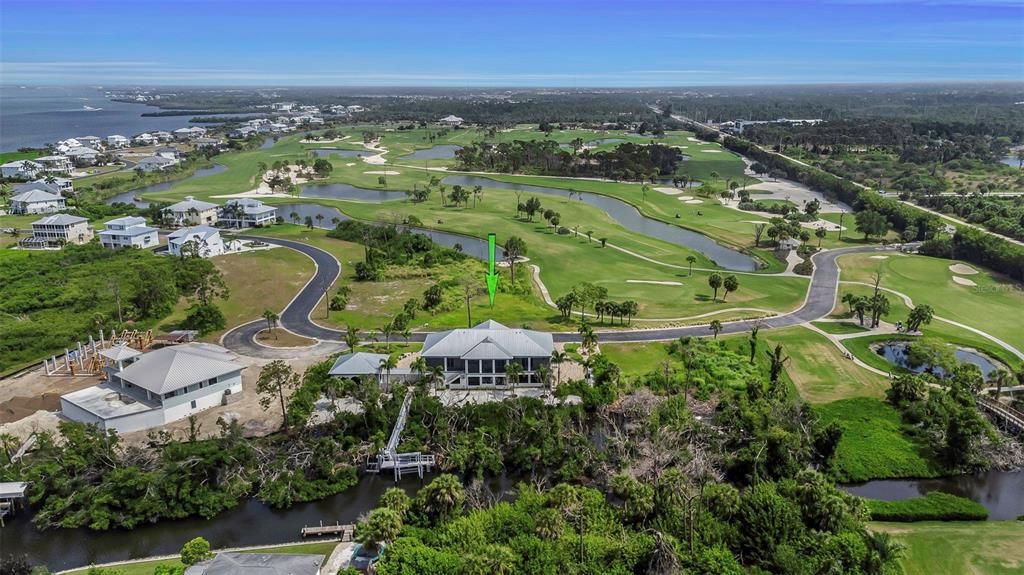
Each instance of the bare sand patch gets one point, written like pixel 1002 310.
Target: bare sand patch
pixel 964 281
pixel 691 139
pixel 755 222
pixel 879 257
pixel 962 269
pixel 655 282
pixel 350 164
pixel 669 191
pixel 383 173
pixel 712 151
pixel 694 201
pixel 375 160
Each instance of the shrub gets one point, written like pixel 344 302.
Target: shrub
pixel 935 506
pixel 195 551
pixel 804 268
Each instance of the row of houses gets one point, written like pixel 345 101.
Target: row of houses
pixel 146 390
pixel 235 213
pixel 117 141
pixel 28 169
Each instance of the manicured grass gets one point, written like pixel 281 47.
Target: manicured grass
pixel 989 548
pixel 839 328
pixel 636 358
pixel 992 306
pixel 282 338
pixel 875 444
pixel 257 281
pixel 818 369
pixel 935 506
pixel 324 548
pixel 15 156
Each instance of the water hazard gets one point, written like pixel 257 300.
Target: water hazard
pixel 129 197
pixel 899 353
pixel 628 216
pixel 1001 492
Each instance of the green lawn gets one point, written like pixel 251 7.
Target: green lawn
pixel 874 443
pixel 992 306
pixel 972 548
pixel 324 548
pixel 839 327
pixel 15 156
pixel 818 369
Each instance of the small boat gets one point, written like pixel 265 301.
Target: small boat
pixel 91 109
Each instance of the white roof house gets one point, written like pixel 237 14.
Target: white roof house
pixel 478 356
pixel 90 141
pixel 451 120
pixel 57 164
pixel 64 186
pixel 156 388
pixel 163 136
pixel 191 211
pixel 117 141
pixel 247 213
pixel 145 139
pixel 168 152
pixel 36 201
pixel 360 364
pixel 82 155
pixel 21 169
pixel 57 230
pixel 205 142
pixel 207 241
pixel 155 163
pixel 129 231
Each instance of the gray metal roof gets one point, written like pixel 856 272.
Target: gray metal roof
pixel 499 340
pixel 59 220
pixel 156 160
pixel 189 203
pixel 119 353
pixel 171 368
pixel 235 563
pixel 36 195
pixel 203 233
pixel 37 185
pixel 361 363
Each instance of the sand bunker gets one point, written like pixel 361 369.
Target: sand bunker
pixel 694 201
pixel 669 191
pixel 962 269
pixel 684 198
pixel 350 164
pixel 712 151
pixel 963 281
pixel 755 222
pixel 383 172
pixel 654 282
pixel 879 257
pixel 694 140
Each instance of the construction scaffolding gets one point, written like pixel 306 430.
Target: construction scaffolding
pixel 85 359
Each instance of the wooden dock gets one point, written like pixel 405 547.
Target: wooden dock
pixel 337 530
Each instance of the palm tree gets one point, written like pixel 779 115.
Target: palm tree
pixel 352 337
pixel 588 337
pixel 271 318
pixel 730 284
pixel 643 192
pixel 1000 377
pixel 387 331
pixel 386 365
pixel 715 327
pixel 882 550
pixel 513 371
pixel 544 374
pixel 294 216
pixel 319 219
pixel 435 376
pixel 715 282
pixel 714 176
pixel 558 358
pixel 691 259
pixel 778 360
pixel 419 365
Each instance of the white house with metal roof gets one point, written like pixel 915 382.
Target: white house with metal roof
pixel 364 364
pixel 451 120
pixel 191 211
pixel 207 241
pixel 56 164
pixel 477 357
pixel 22 169
pixel 128 232
pixel 62 186
pixel 149 390
pixel 34 200
pixel 58 230
pixel 83 156
pixel 117 141
pixel 247 213
pixel 155 163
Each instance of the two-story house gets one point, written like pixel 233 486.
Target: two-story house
pixel 191 211
pixel 478 356
pixel 58 230
pixel 128 232
pixel 247 213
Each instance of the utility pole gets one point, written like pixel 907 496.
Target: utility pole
pixel 841 214
pixel 116 287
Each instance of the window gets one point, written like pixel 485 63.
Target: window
pixel 212 381
pixel 487 380
pixel 488 366
pixel 193 404
pixel 473 366
pixel 473 381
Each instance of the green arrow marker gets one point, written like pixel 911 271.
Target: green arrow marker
pixel 492 276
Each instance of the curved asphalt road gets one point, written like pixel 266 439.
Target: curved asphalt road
pixel 821 297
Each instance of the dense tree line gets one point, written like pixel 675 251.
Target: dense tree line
pixel 980 248
pixel 626 161
pixel 50 300
pixel 999 214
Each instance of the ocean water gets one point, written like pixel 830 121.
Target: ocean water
pixel 39 115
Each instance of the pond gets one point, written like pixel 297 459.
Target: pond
pixel 326 152
pixel 348 192
pixel 251 523
pixel 628 216
pixel 471 246
pixel 899 353
pixel 268 143
pixel 1001 492
pixel 129 196
pixel 442 152
pixel 1011 161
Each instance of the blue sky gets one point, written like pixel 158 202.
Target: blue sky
pixel 508 42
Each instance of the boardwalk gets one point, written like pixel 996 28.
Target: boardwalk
pixel 1007 418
